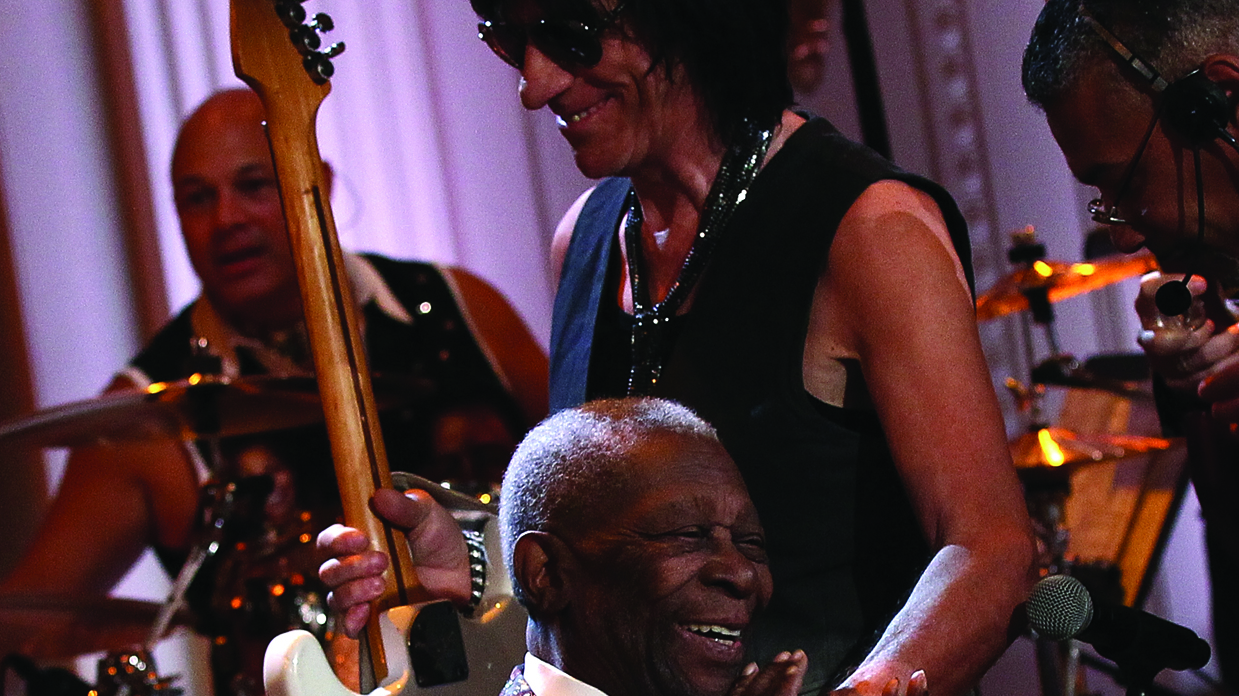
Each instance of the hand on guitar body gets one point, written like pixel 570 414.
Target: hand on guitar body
pixel 354 571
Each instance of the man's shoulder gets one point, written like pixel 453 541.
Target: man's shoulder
pixel 404 275
pixel 387 265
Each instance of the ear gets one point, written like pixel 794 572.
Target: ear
pixel 542 566
pixel 1223 68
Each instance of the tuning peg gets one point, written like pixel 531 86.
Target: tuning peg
pixel 291 13
pixel 334 49
pixel 319 66
pixel 305 40
pixel 322 22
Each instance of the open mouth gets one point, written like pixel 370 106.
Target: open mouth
pixel 237 257
pixel 720 634
pixel 568 120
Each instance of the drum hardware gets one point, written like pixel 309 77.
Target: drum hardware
pixel 1052 281
pixel 132 674
pixel 1067 371
pixel 82 624
pixel 191 409
pixel 1046 456
pixel 218 502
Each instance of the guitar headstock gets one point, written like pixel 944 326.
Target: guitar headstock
pixel 276 49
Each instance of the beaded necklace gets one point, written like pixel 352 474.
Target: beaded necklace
pixel 651 322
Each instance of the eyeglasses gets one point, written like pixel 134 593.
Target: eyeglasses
pixel 1107 213
pixel 565 41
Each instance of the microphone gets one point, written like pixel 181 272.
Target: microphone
pixel 1174 298
pixel 1060 607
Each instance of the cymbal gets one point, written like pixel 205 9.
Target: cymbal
pixel 1051 448
pixel 1066 371
pixel 191 409
pixel 1062 280
pixel 50 627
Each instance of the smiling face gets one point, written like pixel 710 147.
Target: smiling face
pixel 228 202
pixel 620 116
pixel 669 576
pixel 1099 128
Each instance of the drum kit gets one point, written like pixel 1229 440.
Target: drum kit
pixel 1100 499
pixel 264 585
pixel 1047 455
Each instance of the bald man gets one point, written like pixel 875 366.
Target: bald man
pixel 443 326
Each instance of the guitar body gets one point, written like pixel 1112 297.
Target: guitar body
pixel 411 644
pixel 295 664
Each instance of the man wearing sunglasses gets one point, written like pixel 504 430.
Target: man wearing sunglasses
pixel 1141 97
pixel 804 296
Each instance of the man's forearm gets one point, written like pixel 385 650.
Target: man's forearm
pixel 956 622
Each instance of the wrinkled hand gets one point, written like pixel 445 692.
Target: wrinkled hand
pixel 782 677
pixel 1199 362
pixel 353 570
pixel 916 685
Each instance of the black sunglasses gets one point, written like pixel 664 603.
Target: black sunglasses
pixel 565 41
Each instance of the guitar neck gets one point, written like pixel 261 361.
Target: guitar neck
pixel 335 340
pixel 265 59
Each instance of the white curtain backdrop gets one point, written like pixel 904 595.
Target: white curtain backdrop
pixel 434 157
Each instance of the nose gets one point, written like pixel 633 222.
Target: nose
pixel 542 79
pixel 230 209
pixel 730 569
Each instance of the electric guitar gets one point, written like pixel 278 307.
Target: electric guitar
pixel 411 644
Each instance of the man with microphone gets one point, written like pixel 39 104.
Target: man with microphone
pixel 1141 96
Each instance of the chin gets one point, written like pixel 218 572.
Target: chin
pixel 593 168
pixel 714 685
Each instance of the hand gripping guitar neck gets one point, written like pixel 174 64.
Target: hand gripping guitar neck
pixel 277 55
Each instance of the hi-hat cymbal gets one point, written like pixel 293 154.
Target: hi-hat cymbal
pixel 191 409
pixel 50 627
pixel 1095 373
pixel 1052 448
pixel 1061 280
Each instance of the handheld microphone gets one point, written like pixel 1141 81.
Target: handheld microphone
pixel 1060 607
pixel 1174 298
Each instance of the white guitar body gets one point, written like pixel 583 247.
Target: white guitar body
pixel 494 643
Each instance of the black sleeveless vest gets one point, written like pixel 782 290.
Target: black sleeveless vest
pixel 845 546
pixel 436 347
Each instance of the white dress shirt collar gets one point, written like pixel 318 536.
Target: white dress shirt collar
pixel 545 679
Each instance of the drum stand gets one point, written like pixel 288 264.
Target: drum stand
pixel 1046 487
pixel 133 673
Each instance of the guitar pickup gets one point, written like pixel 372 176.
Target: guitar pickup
pixel 436 646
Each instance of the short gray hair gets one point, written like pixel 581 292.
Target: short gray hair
pixel 569 463
pixel 1173 35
